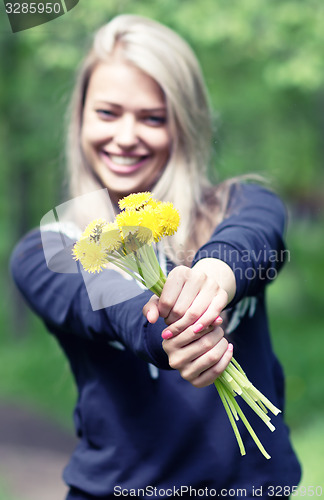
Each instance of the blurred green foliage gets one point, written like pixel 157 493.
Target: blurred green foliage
pixel 263 63
pixel 4 493
pixel 264 67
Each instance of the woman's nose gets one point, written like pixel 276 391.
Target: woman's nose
pixel 126 136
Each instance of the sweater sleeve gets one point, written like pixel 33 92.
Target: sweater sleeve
pixel 62 300
pixel 250 239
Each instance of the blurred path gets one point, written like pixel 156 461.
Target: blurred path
pixel 33 453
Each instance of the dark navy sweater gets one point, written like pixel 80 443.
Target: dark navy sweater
pixel 140 425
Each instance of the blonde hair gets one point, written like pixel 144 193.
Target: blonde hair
pixel 166 57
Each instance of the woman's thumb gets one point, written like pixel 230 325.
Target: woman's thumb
pixel 151 310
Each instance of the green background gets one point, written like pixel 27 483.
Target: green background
pixel 264 67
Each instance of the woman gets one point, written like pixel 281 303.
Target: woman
pixel 149 420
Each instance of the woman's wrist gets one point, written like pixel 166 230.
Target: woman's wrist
pixel 221 271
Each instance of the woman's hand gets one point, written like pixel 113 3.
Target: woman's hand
pixel 191 302
pixel 201 358
pixel 193 296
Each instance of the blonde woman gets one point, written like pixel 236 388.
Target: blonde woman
pixel 149 420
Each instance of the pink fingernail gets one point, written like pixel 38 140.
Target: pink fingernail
pixel 230 347
pixel 167 335
pixel 197 328
pixel 218 320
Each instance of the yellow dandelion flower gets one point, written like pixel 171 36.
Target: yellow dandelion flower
pixel 135 201
pixel 131 242
pixel 169 218
pixel 91 255
pixel 94 229
pixel 111 238
pixel 95 259
pixel 129 235
pixel 80 248
pixel 150 220
pixel 145 236
pixel 128 218
pixel 153 203
pixel 128 231
pixel 110 226
pixel 135 237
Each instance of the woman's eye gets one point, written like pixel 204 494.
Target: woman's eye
pixel 155 120
pixel 105 114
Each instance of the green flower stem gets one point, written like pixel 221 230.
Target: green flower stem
pixel 247 398
pixel 225 400
pixel 242 380
pixel 229 397
pixel 119 264
pixel 238 366
pixel 151 257
pixel 232 383
pixel 251 431
pixel 153 263
pixel 248 394
pixel 248 386
pixel 151 269
pixel 130 263
pixel 266 401
pixel 224 392
pixel 139 266
pixel 263 408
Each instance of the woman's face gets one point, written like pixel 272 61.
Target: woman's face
pixel 124 133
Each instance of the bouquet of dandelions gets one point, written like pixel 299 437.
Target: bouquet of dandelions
pixel 127 243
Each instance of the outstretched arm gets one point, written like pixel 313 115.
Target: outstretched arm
pixel 61 299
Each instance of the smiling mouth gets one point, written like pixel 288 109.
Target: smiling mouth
pixel 123 160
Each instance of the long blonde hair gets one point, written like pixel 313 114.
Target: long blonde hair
pixel 167 58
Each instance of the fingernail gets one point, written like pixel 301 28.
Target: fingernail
pixel 218 320
pixel 148 316
pixel 197 328
pixel 230 347
pixel 167 335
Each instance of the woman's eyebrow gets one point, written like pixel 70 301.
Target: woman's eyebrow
pixel 157 109
pixel 103 101
pixel 154 110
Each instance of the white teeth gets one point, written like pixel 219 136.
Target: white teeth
pixel 125 160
